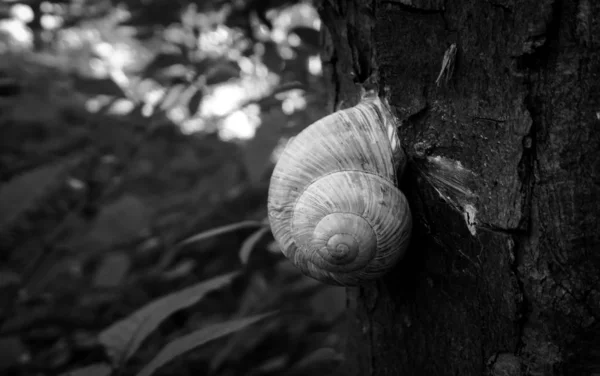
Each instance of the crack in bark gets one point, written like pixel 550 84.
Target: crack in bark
pixel 504 7
pixel 523 311
pixel 539 54
pixel 533 63
pixel 522 239
pixel 489 119
pixel 500 230
pixel 414 8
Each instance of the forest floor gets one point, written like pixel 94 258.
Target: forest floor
pixel 93 207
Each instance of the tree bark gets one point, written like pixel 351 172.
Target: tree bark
pixel 516 289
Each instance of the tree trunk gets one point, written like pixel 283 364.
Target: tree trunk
pixel 516 289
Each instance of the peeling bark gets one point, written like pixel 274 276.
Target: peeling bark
pixel 522 295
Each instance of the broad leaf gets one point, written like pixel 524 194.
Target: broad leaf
pixel 163 61
pixel 320 362
pixel 250 243
pixel 223 72
pixel 123 338
pixel 98 369
pixel 193 104
pixel 197 338
pixel 219 231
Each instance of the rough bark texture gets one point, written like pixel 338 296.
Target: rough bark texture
pixel 521 109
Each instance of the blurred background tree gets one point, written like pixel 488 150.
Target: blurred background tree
pixel 127 127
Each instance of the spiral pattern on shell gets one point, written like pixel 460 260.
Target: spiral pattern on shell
pixel 334 207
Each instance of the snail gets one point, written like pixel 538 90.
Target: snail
pixel 333 203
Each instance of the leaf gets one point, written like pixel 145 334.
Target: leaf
pixel 197 338
pixel 98 369
pixel 123 338
pixel 171 99
pixel 320 362
pixel 220 230
pixel 163 61
pixel 258 295
pixel 223 72
pixel 194 102
pixel 275 364
pixel 180 270
pixel 250 243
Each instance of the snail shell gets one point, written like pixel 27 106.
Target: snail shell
pixel 333 204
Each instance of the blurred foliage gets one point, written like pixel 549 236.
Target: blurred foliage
pixel 136 143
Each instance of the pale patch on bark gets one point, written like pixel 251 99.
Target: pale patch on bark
pixel 453 182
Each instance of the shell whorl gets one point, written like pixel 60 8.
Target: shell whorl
pixel 333 204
